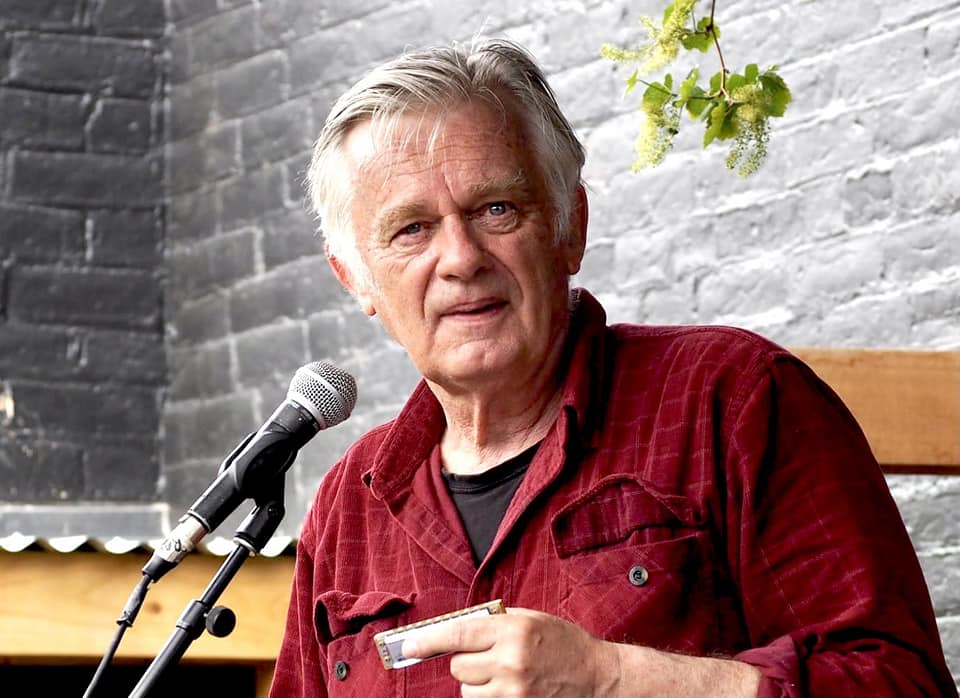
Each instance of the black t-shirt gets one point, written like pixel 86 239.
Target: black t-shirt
pixel 482 499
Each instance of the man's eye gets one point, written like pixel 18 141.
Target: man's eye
pixel 496 217
pixel 411 229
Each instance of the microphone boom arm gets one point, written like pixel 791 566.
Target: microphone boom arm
pixel 250 537
pixel 246 473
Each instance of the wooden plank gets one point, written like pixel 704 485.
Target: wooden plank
pixel 63 607
pixel 908 402
pixel 263 678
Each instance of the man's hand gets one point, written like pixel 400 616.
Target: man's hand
pixel 529 653
pixel 521 653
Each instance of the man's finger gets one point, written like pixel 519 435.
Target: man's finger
pixel 469 635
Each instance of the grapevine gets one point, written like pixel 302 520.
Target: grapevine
pixel 734 107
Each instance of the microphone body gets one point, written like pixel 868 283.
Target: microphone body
pixel 262 457
pixel 320 396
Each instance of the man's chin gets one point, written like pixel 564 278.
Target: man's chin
pixel 475 365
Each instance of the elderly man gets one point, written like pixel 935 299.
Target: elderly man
pixel 665 511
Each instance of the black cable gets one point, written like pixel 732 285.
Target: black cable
pixel 127 616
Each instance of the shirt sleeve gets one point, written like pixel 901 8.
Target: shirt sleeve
pixel 832 591
pixel 299 670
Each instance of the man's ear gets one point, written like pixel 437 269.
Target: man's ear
pixel 577 231
pixel 357 287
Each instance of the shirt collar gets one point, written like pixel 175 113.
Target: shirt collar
pixel 587 365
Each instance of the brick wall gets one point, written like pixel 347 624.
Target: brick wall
pixel 81 330
pixel 251 298
pixel 847 237
pixel 159 283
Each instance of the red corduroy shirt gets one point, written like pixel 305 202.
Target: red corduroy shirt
pixel 701 492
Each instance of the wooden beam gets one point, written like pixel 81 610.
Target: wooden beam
pixel 908 402
pixel 63 607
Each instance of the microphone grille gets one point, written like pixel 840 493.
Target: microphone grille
pixel 328 392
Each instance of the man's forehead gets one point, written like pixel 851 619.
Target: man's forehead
pixel 411 144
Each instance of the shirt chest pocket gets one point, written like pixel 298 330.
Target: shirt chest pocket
pixel 345 625
pixel 637 565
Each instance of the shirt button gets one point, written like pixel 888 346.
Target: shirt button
pixel 340 670
pixel 638 575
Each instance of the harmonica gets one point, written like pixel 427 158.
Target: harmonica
pixel 390 642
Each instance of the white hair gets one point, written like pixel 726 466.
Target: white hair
pixel 438 79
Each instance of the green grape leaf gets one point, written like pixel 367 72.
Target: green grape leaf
pixel 655 96
pixel 721 123
pixel 704 23
pixel 632 81
pixel 691 95
pixel 689 84
pixel 709 103
pixel 697 102
pixel 730 127
pixel 695 42
pixel 735 80
pixel 701 39
pixel 776 91
pixel 751 73
pixel 715 119
pixel 715 82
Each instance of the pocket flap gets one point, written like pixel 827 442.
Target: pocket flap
pixel 612 509
pixel 341 613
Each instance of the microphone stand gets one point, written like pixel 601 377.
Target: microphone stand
pixel 259 526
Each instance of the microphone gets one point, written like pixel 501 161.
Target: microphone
pixel 320 396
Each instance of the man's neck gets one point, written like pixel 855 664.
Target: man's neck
pixel 484 431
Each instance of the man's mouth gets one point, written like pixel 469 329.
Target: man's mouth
pixel 475 308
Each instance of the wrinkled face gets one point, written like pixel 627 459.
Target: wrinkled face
pixel 457 235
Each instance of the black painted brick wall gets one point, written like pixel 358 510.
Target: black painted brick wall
pixel 82 362
pixel 250 296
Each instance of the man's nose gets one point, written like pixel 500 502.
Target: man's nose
pixel 460 249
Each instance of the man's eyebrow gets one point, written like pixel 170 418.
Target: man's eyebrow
pixel 519 182
pixel 388 219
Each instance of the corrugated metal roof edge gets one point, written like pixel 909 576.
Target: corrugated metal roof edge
pixel 110 527
pixel 219 546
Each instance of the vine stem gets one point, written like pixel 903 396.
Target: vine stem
pixel 716 43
